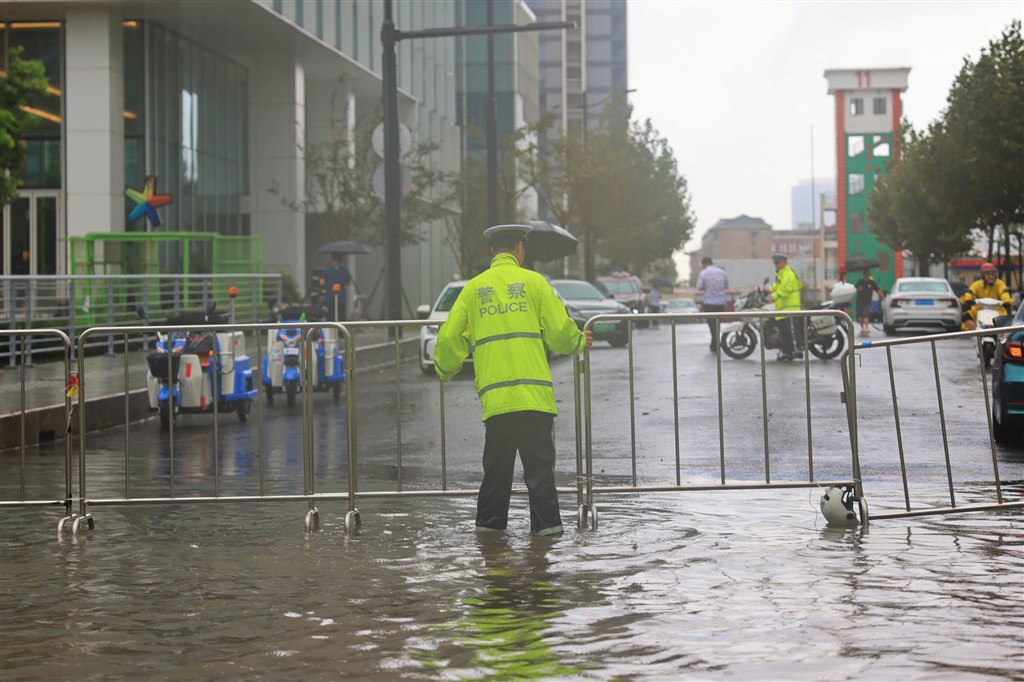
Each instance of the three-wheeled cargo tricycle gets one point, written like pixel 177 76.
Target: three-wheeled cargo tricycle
pixel 282 364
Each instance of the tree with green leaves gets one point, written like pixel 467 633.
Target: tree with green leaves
pixel 966 171
pixel 23 80
pixel 340 201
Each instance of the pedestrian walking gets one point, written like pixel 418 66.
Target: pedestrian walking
pixel 712 282
pixel 654 303
pixel 509 316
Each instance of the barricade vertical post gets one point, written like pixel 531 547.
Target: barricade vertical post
pixel 398 399
pixel 351 377
pixel 675 398
pixel 28 337
pixel 807 402
pixel 942 422
pixel 988 413
pixel 764 400
pixel 899 431
pixel 632 404
pixel 22 425
pixel 577 409
pixel 127 421
pixel 258 374
pixel 68 453
pixel 444 442
pixel 71 310
pixel 717 340
pixel 587 371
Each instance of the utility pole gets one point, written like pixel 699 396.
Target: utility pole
pixel 390 37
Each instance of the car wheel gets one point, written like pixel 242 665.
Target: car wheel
pixel 889 329
pixel 427 369
pixel 1000 432
pixel 619 341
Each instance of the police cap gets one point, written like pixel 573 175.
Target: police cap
pixel 779 256
pixel 508 232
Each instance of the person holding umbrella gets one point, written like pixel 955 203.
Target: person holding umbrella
pixel 510 316
pixel 336 274
pixel 867 287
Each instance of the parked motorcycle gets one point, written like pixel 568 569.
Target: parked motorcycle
pixel 824 337
pixel 282 365
pixel 191 372
pixel 985 319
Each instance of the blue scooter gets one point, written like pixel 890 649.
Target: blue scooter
pixel 282 365
pixel 191 372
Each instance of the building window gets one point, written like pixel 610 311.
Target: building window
pixel 857 222
pixel 856 106
pixel 854 145
pixel 856 183
pixel 878 105
pixel 881 146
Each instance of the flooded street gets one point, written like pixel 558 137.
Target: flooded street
pixel 705 585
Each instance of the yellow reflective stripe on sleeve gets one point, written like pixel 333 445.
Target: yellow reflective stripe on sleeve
pixel 504 337
pixel 516 382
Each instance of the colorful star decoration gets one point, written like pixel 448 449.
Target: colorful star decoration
pixel 147 201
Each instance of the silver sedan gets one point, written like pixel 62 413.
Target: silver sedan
pixel 921 302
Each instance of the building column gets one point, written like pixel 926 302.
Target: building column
pixel 277 126
pixel 94 120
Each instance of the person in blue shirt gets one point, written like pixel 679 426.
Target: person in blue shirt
pixel 712 282
pixel 336 273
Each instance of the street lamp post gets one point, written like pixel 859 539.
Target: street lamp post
pixel 390 37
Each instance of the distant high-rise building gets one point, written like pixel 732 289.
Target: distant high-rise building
pixel 577 74
pixel 803 215
pixel 868 110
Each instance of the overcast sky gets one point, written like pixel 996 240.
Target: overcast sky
pixel 736 87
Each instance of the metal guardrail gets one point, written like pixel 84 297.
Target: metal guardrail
pixel 73 302
pixel 587 505
pixel 933 340
pixel 587 486
pixel 24 498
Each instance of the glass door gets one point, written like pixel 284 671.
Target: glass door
pixel 32 245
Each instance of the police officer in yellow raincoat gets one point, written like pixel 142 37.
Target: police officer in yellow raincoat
pixel 506 315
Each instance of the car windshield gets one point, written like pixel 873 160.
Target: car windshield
pixel 682 304
pixel 923 288
pixel 579 291
pixel 623 286
pixel 448 297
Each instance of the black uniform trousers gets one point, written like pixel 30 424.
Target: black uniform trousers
pixel 529 433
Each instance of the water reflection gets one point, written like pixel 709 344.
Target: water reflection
pixel 511 611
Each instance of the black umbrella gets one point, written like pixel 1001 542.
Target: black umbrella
pixel 861 263
pixel 343 247
pixel 549 242
pixel 660 282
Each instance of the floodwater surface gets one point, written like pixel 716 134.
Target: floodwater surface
pixel 726 586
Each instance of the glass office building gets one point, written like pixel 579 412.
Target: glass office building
pixel 218 101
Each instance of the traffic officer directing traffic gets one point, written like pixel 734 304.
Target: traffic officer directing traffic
pixel 506 315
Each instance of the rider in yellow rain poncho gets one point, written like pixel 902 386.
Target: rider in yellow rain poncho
pixel 989 286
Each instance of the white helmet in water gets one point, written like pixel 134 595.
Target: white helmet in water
pixel 837 507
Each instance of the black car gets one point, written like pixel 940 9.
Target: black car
pixel 583 301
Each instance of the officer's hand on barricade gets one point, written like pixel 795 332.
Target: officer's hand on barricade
pixel 590 337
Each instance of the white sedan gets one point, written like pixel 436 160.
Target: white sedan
pixel 921 302
pixel 428 334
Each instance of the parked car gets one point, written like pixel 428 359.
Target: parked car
pixel 921 302
pixel 682 306
pixel 439 311
pixel 1008 382
pixel 626 289
pixel 583 301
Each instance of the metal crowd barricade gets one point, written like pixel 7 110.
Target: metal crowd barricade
pixel 307 492
pixel 909 510
pixel 586 481
pixel 25 499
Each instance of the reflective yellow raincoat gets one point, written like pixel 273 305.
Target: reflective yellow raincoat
pixel 506 315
